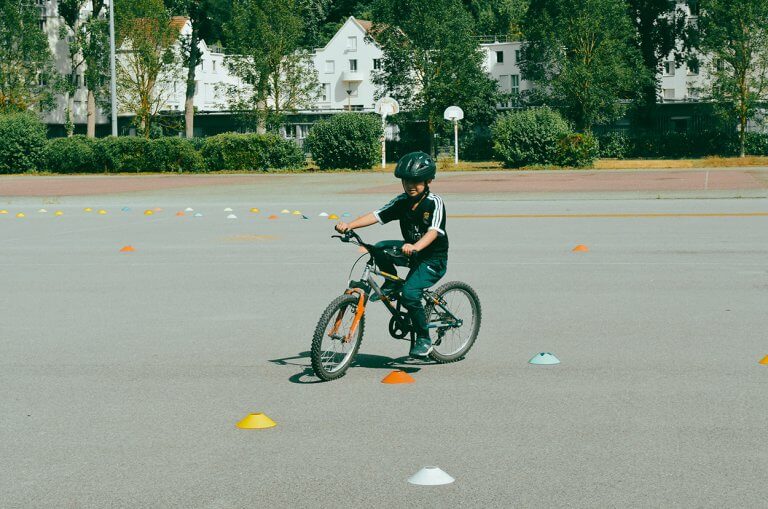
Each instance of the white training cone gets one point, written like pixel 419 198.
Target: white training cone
pixel 189 209
pixel 227 209
pixel 430 476
pixel 198 214
pixel 544 358
pixel 42 211
pixel 231 216
pixel 323 214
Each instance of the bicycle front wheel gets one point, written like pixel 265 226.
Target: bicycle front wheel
pixel 335 344
pixel 457 318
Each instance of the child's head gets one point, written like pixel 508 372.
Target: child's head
pixel 416 170
pixel 414 187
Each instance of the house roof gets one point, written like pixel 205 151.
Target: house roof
pixel 178 22
pixel 364 24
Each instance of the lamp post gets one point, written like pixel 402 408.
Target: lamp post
pixel 385 106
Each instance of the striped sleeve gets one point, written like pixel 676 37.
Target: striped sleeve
pixel 438 216
pixel 391 210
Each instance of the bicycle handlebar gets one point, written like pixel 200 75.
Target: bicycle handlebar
pixel 350 234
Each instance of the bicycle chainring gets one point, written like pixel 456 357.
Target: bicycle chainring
pixel 395 329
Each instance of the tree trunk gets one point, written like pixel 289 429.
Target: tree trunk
pixel 194 57
pixel 69 122
pixel 91 129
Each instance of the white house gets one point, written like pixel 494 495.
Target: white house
pixel 501 62
pixel 344 69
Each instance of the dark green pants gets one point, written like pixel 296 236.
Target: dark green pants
pixel 423 274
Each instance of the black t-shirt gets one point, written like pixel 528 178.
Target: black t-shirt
pixel 428 214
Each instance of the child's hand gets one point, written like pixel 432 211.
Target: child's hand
pixel 342 227
pixel 409 249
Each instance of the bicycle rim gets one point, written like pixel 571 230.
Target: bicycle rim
pixel 335 353
pixel 450 341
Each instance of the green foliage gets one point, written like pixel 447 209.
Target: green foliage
pixel 123 154
pixel 476 144
pixel 529 137
pixel 582 58
pixel 432 61
pixel 347 140
pixel 22 142
pixel 757 144
pixel 28 78
pixel 615 145
pixel 75 154
pixel 234 151
pixel 735 34
pixel 174 154
pixel 577 150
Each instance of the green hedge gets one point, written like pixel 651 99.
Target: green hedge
pixel 347 140
pixel 123 154
pixel 233 151
pixel 174 154
pixel 22 143
pixel 529 137
pixel 577 150
pixel 71 155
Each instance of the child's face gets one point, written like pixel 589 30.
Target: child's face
pixel 414 188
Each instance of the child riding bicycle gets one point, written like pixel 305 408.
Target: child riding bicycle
pixel 422 223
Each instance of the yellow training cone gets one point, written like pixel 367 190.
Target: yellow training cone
pixel 256 421
pixel 58 213
pixel 3 211
pixel 20 214
pixel 333 216
pixel 764 361
pixel 148 212
pixel 255 210
pixel 296 213
pixel 102 212
pixel 88 209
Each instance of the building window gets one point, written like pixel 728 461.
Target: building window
pixel 517 56
pixel 694 7
pixel 514 84
pixel 504 83
pixel 719 64
pixel 353 65
pixel 326 92
pixel 693 93
pixel 202 65
pixel 330 66
pixel 213 62
pixel 41 24
pixel 693 67
pixel 669 94
pixel 352 43
pixel 669 68
pixel 376 64
pixel 499 57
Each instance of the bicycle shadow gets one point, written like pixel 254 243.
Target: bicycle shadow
pixel 362 360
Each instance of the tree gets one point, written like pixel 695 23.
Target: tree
pixel 432 61
pixel 28 78
pixel 659 30
pixel 148 62
pixel 498 17
pixel 734 34
pixel 206 18
pixel 95 48
pixel 582 57
pixel 264 52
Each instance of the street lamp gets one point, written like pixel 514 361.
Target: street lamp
pixel 454 113
pixel 113 77
pixel 385 106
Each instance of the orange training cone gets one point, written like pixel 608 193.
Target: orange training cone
pixel 581 248
pixel 256 421
pixel 272 217
pixel 398 377
pixel 180 213
pixel 127 249
pixel 764 361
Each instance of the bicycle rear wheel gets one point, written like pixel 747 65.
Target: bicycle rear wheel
pixel 333 348
pixel 460 314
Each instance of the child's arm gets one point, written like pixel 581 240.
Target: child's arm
pixel 422 244
pixel 360 222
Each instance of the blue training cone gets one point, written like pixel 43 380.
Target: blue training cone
pixel 544 358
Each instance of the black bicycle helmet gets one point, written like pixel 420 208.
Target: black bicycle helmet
pixel 416 166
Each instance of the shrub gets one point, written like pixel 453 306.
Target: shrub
pixel 756 144
pixel 22 142
pixel 233 151
pixel 476 145
pixel 577 150
pixel 615 145
pixel 174 154
pixel 528 137
pixel 71 155
pixel 123 154
pixel 347 140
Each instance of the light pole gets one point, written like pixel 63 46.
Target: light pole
pixel 385 106
pixel 454 114
pixel 113 74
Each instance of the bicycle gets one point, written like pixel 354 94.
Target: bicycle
pixel 339 332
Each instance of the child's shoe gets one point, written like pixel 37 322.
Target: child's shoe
pixel 421 347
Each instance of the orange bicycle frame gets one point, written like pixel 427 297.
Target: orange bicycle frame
pixel 358 314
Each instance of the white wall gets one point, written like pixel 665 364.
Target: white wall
pixel 507 73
